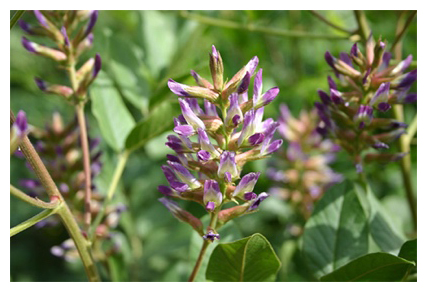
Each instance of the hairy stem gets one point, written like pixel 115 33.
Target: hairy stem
pixel 32 221
pixel 86 163
pixel 111 189
pixel 33 201
pixel 64 212
pixel 250 27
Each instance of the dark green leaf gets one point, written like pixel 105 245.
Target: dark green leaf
pixel 229 232
pixel 160 120
pixel 113 117
pixel 344 226
pixel 409 250
pixel 251 259
pixel 374 267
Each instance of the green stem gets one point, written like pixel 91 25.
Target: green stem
pixel 405 164
pixel 86 163
pixel 250 27
pixel 412 129
pixel 64 212
pixel 322 18
pixel 33 201
pixel 403 30
pixel 364 29
pixel 112 188
pixel 16 17
pixel 33 220
pixel 205 245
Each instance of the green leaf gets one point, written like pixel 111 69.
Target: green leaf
pixel 251 259
pixel 160 120
pixel 117 267
pixel 229 232
pixel 374 267
pixel 409 250
pixel 345 225
pixel 113 117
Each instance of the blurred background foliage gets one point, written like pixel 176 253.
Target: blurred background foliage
pixel 140 51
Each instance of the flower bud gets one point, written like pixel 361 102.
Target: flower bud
pixel 43 51
pixel 183 215
pixel 192 91
pixel 217 69
pixel 227 164
pixel 246 184
pixel 60 90
pixel 212 197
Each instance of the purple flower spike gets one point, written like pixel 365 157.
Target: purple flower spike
pixel 211 236
pixel 212 196
pixel 246 184
pixel 386 60
pixel 354 50
pixel 173 158
pixel 384 106
pixel 29 46
pixel 64 34
pixel 40 17
pixel 248 128
pixel 258 201
pixel 20 124
pixel 227 163
pixel 97 66
pixel 249 196
pixel 203 155
pixel 330 59
pixel 243 87
pixel 273 147
pixel 210 109
pixel 92 20
pixel 336 96
pixel 190 117
pixel 324 97
pixel 332 84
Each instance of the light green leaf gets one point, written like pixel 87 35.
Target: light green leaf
pixel 229 232
pixel 347 222
pixel 374 267
pixel 159 121
pixel 251 259
pixel 113 117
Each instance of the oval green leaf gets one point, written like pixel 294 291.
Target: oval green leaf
pixel 348 222
pixel 251 259
pixel 159 121
pixel 375 267
pixel 409 250
pixel 114 119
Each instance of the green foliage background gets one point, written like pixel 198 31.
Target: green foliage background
pixel 140 51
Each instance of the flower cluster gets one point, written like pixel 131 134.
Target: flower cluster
pixel 215 142
pixel 369 86
pixel 71 31
pixel 59 147
pixel 304 171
